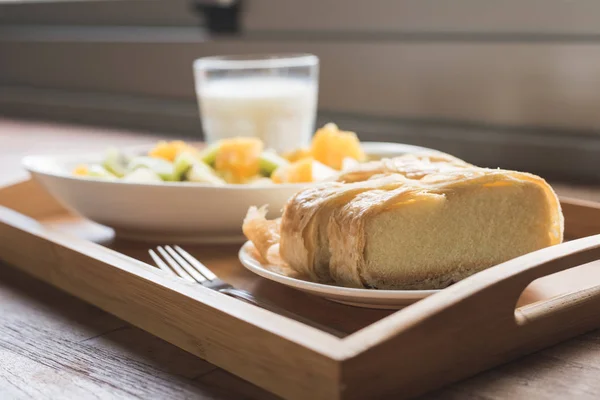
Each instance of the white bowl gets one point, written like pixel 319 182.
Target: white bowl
pixel 168 212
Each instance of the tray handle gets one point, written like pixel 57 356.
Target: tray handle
pixel 548 261
pixel 493 294
pixel 522 271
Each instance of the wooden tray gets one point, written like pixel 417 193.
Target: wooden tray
pixel 464 329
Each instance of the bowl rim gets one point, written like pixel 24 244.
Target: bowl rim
pixel 31 164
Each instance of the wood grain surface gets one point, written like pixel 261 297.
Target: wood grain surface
pixel 53 345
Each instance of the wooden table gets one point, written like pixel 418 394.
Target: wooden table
pixel 53 345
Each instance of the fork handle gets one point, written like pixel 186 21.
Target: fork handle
pixel 267 305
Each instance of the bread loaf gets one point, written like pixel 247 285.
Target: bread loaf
pixel 416 222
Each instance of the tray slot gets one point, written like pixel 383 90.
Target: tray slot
pixel 559 308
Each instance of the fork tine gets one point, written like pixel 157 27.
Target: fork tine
pixel 185 265
pixel 160 263
pixel 196 264
pixel 176 268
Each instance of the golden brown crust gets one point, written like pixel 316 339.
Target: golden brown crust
pixel 301 223
pixel 412 166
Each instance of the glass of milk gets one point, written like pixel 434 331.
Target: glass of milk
pixel 272 97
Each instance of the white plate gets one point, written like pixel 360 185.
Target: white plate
pixel 368 298
pixel 168 212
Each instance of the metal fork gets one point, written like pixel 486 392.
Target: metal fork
pixel 182 264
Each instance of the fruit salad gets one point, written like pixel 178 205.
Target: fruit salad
pixel 242 160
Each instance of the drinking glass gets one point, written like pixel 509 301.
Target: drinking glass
pixel 272 97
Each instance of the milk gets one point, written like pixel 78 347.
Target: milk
pixel 280 111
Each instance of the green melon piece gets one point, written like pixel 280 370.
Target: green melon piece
pixel 163 168
pixel 98 171
pixel 142 175
pixel 209 154
pixel 183 163
pixel 269 161
pixel 202 173
pixel 115 162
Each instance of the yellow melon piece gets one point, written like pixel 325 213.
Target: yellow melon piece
pixel 170 150
pixel 81 170
pixel 237 159
pixel 297 172
pixel 296 155
pixel 330 146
